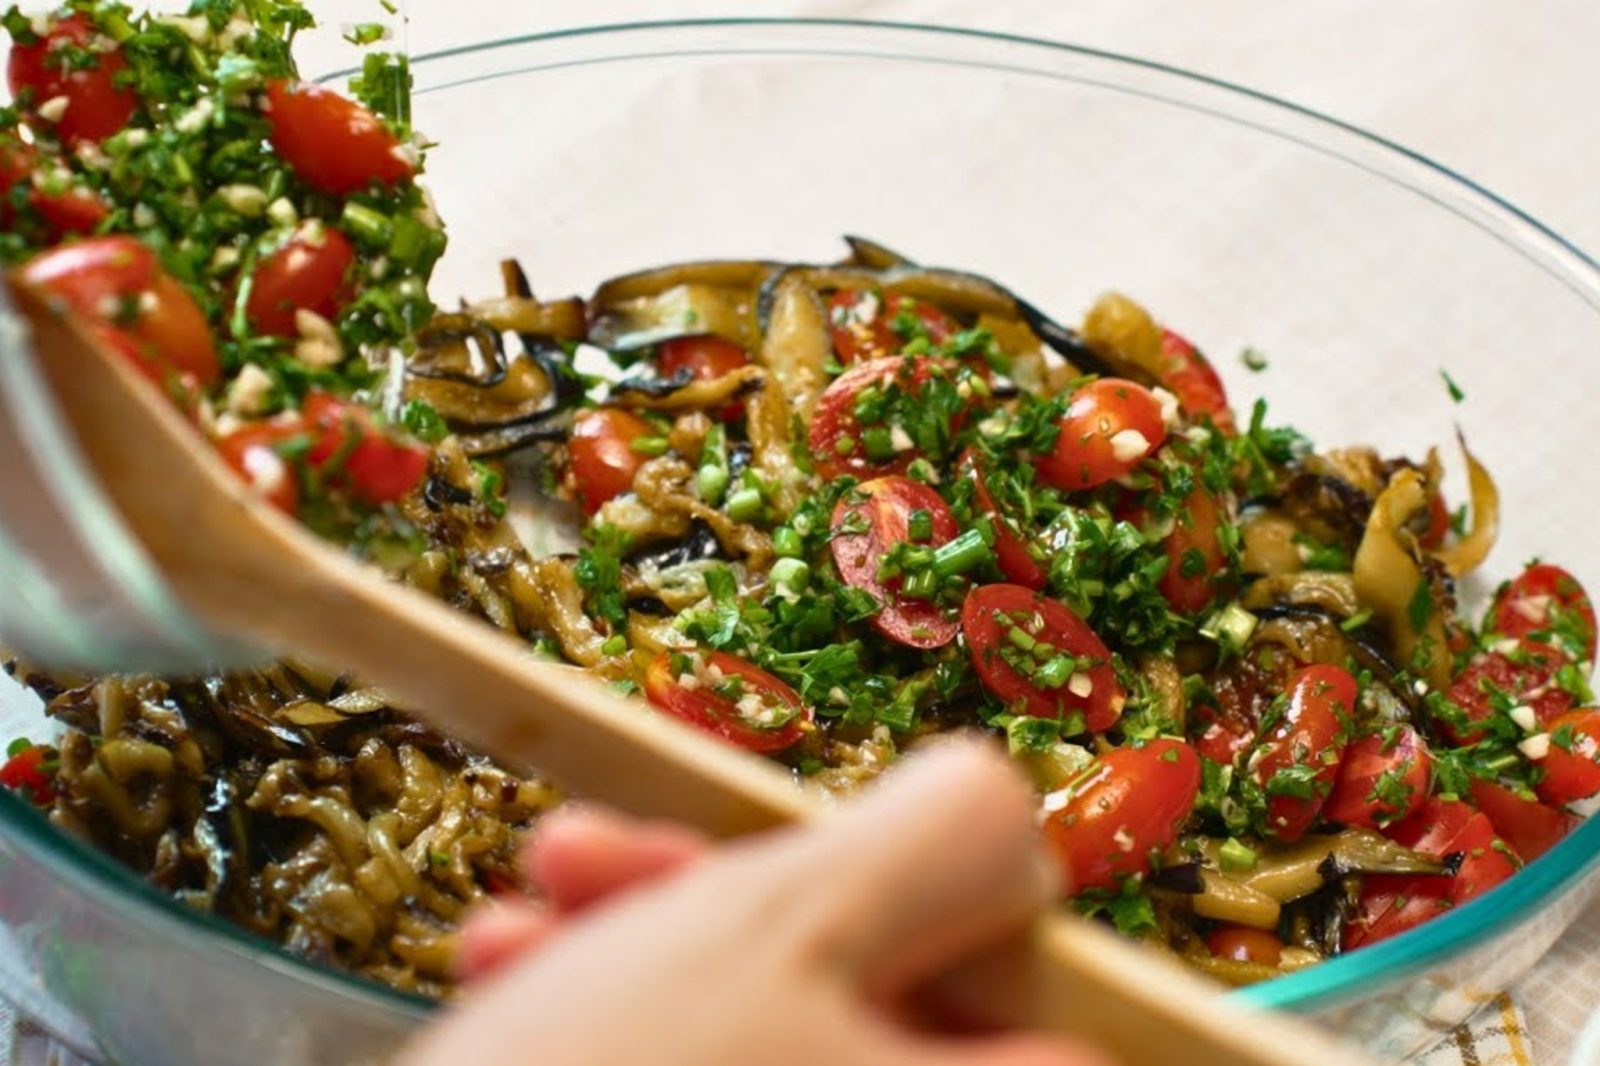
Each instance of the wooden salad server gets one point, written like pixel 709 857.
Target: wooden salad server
pixel 252 574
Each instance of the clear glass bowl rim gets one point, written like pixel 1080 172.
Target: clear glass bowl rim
pixel 1339 981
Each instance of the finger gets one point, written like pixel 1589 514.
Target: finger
pixel 498 933
pixel 579 857
pixel 942 859
pixel 995 1051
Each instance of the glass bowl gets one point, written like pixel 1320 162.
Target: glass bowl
pixel 1359 270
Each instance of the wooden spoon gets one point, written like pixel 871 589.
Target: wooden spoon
pixel 254 574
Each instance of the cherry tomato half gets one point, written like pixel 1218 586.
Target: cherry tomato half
pixel 1527 676
pixel 1195 556
pixel 1190 377
pixel 311 271
pixel 116 282
pixel 863 322
pixel 880 513
pixel 1572 766
pixel 1111 426
pixel 334 144
pixel 1432 535
pixel 1546 600
pixel 96 105
pixel 728 697
pixel 1382 779
pixel 1297 762
pixel 1390 904
pixel 602 461
pixel 1011 552
pixel 706 358
pixel 838 440
pixel 1530 827
pixel 1131 803
pixel 1243 944
pixel 71 210
pixel 1022 644
pixel 378 466
pixel 253 452
pixel 26 772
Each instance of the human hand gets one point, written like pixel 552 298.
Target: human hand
pixel 797 947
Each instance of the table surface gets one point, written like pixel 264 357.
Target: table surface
pixel 1503 93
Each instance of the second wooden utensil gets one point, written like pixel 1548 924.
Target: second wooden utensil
pixel 253 574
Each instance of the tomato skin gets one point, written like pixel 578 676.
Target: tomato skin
pixel 719 715
pixel 76 210
pixel 602 461
pixel 706 358
pixel 834 419
pixel 378 467
pixel 252 452
pixel 1438 523
pixel 311 272
pixel 1084 455
pixel 1010 545
pixel 1196 530
pixel 886 504
pixel 96 106
pixel 1391 904
pixel 104 279
pixel 332 143
pixel 1244 944
pixel 1530 828
pixel 1405 759
pixel 1310 734
pixel 1049 622
pixel 1573 775
pixel 25 772
pixel 863 323
pixel 1530 681
pixel 1132 802
pixel 1524 607
pixel 1190 377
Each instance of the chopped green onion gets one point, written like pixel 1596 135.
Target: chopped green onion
pixel 879 444
pixel 745 505
pixel 648 445
pixel 1236 856
pixel 919 526
pixel 1230 627
pixel 711 480
pixel 788 543
pixel 367 226
pixel 791 575
pixel 960 555
pixel 615 644
pixel 1055 673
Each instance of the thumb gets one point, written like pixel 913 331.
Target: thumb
pixel 939 861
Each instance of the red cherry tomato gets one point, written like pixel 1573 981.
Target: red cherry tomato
pixel 377 466
pixel 1548 601
pixel 863 323
pixel 72 210
pixel 25 772
pixel 1383 779
pixel 116 282
pixel 1243 944
pixel 1133 802
pixel 1224 732
pixel 1297 762
pixel 835 436
pixel 602 460
pixel 1110 427
pixel 334 144
pixel 1438 525
pixel 1190 377
pixel 311 271
pixel 706 358
pixel 1011 552
pixel 882 508
pixel 728 697
pixel 253 453
pixel 96 105
pixel 1195 556
pixel 1392 903
pixel 1572 767
pixel 1531 828
pixel 1527 676
pixel 1018 638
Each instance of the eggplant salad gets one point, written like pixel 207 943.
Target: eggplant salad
pixel 821 512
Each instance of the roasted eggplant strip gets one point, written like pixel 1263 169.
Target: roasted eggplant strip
pixel 684 393
pixel 1465 556
pixel 744 274
pixel 1303 868
pixel 1389 579
pixel 868 253
pixel 1224 899
pixel 797 344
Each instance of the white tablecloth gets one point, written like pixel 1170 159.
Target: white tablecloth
pixel 1502 92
